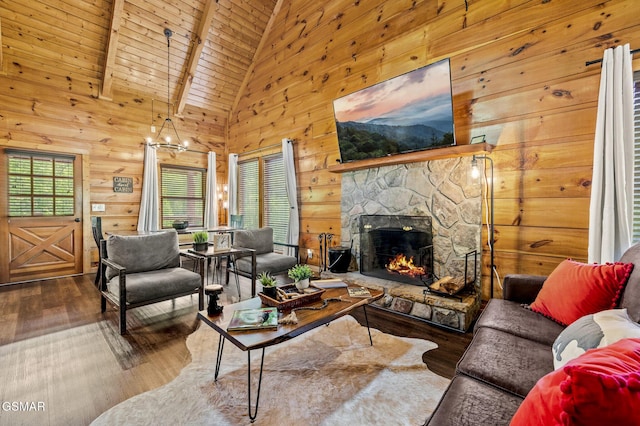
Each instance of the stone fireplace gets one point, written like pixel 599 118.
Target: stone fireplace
pixel 440 192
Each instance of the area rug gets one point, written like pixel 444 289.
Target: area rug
pixel 328 376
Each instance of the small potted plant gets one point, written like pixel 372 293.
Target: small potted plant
pixel 300 275
pixel 200 239
pixel 268 284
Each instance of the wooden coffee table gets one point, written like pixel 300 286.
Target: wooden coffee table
pixel 260 339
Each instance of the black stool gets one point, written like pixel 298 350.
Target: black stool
pixel 213 290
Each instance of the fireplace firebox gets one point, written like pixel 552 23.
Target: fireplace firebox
pixel 398 248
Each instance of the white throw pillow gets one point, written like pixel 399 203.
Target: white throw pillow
pixel 593 331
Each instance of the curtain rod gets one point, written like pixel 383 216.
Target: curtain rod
pixel 597 61
pixel 264 148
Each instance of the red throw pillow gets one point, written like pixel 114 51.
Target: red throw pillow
pixel 576 289
pixel 600 387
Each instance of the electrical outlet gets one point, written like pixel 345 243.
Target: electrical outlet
pixel 97 207
pixel 310 253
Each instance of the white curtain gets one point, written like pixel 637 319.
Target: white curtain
pixel 610 212
pixel 233 186
pixel 149 216
pixel 211 202
pixel 293 233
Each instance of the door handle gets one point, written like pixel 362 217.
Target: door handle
pixel 77 219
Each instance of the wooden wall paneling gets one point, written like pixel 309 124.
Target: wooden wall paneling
pixel 543 212
pixel 556 183
pixel 571 30
pixel 56 54
pixel 519 78
pixel 34 35
pixel 40 72
pixel 319 49
pixel 538 98
pixel 567 152
pixel 521 263
pixel 112 131
pixel 563 124
pixel 318 178
pixel 565 242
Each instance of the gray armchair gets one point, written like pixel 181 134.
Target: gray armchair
pixel 260 240
pixel 144 269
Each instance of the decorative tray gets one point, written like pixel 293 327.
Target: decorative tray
pixel 312 294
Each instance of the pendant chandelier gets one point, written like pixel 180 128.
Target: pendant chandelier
pixel 165 142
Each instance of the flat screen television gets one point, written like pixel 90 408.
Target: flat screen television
pixel 411 112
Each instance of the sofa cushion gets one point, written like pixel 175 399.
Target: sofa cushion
pixel 470 402
pixel 601 387
pixel 506 361
pixel 593 331
pixel 261 240
pixel 576 289
pixel 631 295
pixel 148 252
pixel 156 285
pixel 513 318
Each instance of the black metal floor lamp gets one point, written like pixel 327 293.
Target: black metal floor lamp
pixel 475 173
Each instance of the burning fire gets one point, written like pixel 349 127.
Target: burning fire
pixel 403 266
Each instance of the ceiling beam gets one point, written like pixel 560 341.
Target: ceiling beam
pixel 247 75
pixel 192 61
pixel 112 48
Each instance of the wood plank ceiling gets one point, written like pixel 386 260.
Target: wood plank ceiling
pixel 120 45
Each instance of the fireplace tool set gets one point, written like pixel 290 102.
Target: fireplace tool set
pixel 325 241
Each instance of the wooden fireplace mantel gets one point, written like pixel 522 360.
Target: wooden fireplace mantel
pixel 412 157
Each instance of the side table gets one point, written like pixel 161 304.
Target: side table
pixel 231 253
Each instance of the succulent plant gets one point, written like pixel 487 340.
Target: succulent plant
pixel 267 280
pixel 200 237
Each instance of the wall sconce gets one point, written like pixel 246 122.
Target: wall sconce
pixel 223 196
pixel 475 173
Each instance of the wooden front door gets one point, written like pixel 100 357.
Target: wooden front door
pixel 42 211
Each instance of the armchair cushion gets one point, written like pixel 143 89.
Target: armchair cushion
pixel 273 263
pixel 141 253
pixel 156 285
pixel 261 240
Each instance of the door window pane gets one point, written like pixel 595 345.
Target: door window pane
pixel 40 185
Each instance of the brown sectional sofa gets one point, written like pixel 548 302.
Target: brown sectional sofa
pixel 511 351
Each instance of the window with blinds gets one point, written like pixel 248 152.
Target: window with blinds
pixel 40 184
pixel 182 195
pixel 249 193
pixel 262 195
pixel 275 210
pixel 636 138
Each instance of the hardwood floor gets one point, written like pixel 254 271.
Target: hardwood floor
pixel 61 354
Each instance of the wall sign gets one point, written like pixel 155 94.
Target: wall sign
pixel 122 184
